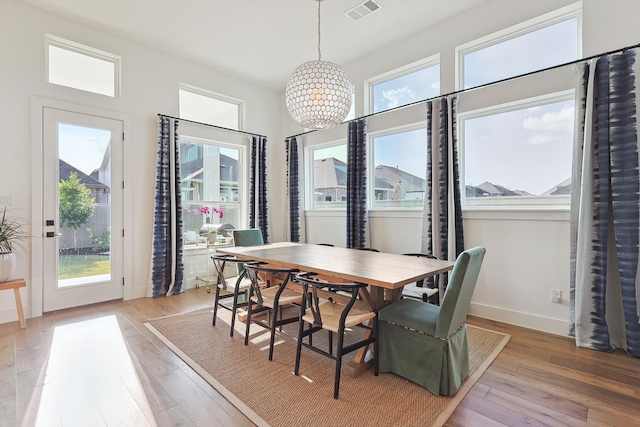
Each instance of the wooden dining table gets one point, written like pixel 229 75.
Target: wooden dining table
pixel 385 273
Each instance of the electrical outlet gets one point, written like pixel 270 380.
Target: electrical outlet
pixel 556 295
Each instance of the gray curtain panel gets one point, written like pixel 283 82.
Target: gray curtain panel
pixel 167 267
pixel 258 186
pixel 605 206
pixel 296 212
pixel 442 233
pixel 357 183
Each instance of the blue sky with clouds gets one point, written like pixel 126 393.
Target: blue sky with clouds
pixel 527 149
pixel 82 147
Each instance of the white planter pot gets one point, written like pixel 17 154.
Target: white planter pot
pixel 7 266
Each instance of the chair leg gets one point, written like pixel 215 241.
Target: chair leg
pixel 216 299
pixel 274 323
pixel 296 370
pixel 330 342
pixel 336 386
pixel 234 308
pixel 246 334
pixel 376 352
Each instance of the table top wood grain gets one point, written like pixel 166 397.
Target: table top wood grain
pixel 385 270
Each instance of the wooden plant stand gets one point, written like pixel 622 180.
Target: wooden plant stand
pixel 16 285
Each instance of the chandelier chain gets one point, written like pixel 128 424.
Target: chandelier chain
pixel 319 52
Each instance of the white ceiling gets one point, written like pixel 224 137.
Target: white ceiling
pixel 260 40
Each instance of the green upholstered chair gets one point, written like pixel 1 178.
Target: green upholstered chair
pixel 250 237
pixel 426 343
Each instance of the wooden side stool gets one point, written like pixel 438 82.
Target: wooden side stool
pixel 16 285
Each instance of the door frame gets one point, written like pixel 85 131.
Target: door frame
pixel 38 105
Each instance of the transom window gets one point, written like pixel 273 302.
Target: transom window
pixel 549 40
pixel 203 106
pixel 403 86
pixel 82 67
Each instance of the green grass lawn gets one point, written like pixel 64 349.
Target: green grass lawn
pixel 71 266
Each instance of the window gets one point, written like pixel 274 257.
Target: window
pixel 329 177
pixel 352 111
pixel 549 40
pixel 211 167
pixel 203 106
pixel 211 181
pixel 82 67
pixel 400 168
pixel 413 83
pixel 519 154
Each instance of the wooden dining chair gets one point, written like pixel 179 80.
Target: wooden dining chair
pixel 269 292
pixel 426 290
pixel 235 287
pixel 331 307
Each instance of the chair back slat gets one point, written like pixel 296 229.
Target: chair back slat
pixel 312 301
pixel 254 268
pixel 220 261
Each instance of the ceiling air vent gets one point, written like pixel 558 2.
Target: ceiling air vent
pixel 362 10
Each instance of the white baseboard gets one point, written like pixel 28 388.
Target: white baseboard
pixel 526 320
pixel 8 315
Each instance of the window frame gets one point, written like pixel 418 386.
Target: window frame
pixel 81 49
pixel 242 177
pixel 218 97
pixel 506 203
pixel 369 84
pixel 546 20
pixel 422 125
pixel 309 199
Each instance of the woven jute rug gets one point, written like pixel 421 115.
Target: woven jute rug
pixel 269 393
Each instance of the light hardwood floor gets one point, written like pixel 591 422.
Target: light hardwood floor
pixel 98 365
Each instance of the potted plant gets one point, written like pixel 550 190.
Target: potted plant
pixel 11 236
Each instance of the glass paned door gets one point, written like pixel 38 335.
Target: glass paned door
pixel 82 209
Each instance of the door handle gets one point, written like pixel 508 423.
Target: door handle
pixel 52 234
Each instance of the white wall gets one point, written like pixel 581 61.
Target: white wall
pixel 527 252
pixel 150 81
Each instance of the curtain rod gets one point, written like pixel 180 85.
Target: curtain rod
pixel 577 61
pixel 213 126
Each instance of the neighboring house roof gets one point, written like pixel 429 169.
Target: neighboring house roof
pixel 90 182
pixel 330 172
pixel 487 189
pixel 193 169
pixel 564 188
pixel 397 177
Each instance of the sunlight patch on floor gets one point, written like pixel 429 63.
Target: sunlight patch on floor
pixel 91 379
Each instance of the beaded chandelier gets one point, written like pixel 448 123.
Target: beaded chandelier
pixel 318 93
